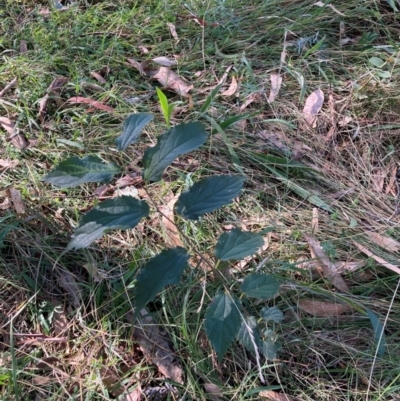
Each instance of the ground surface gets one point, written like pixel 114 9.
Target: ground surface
pixel 319 88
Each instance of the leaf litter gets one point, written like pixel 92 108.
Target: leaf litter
pixel 313 106
pixel 328 268
pixel 169 79
pixel 322 308
pixel 156 346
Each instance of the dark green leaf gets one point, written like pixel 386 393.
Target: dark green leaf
pixel 272 313
pixel 177 141
pixel 260 286
pixel 269 350
pixel 209 194
pixel 237 244
pixel 249 334
pixel 164 269
pixel 222 322
pixel 379 335
pixel 235 119
pixel 133 126
pixel 75 171
pixel 123 213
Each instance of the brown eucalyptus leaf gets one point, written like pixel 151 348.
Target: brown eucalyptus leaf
pixel 17 200
pixel 213 391
pixel 172 29
pixel 383 241
pixel 156 346
pixel 322 308
pixel 313 106
pixel 172 81
pixel 172 234
pixel 9 86
pixel 378 259
pixel 274 396
pixel 276 82
pixel 233 87
pixel 5 164
pixel 327 267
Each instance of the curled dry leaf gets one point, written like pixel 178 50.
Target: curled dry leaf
pixel 276 82
pixel 322 308
pixel 5 164
pixel 167 222
pixel 98 77
pixel 213 391
pixel 172 29
pixel 17 201
pixel 5 204
pixel 170 80
pixel 56 84
pixel 387 243
pixel 313 106
pixel 315 220
pixel 157 348
pixel 378 259
pixel 274 396
pixel 7 124
pixel 9 86
pixel 164 61
pixel 233 87
pixel 23 46
pixel 94 103
pixel 164 75
pixel 250 99
pixel 331 6
pixel 327 267
pixel 343 267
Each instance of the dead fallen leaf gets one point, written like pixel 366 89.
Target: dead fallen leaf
pixel 67 281
pixel 172 81
pixel 391 186
pixel 250 99
pixel 134 395
pixel 315 220
pixel 378 259
pixel 387 243
pixel 10 85
pixel 157 348
pixel 232 88
pixel 17 201
pixel 223 78
pixel 7 124
pixel 94 103
pixel 173 239
pixel 327 267
pixel 144 50
pixel 276 82
pixel 313 106
pixel 23 46
pixel 91 86
pixel 111 381
pixel 6 204
pixel 322 308
pixel 343 267
pixel 378 179
pixel 98 77
pixel 213 391
pixel 60 320
pixel 172 29
pixel 164 61
pixel 55 85
pixel 331 6
pixel 344 121
pixel 8 163
pixel 274 396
